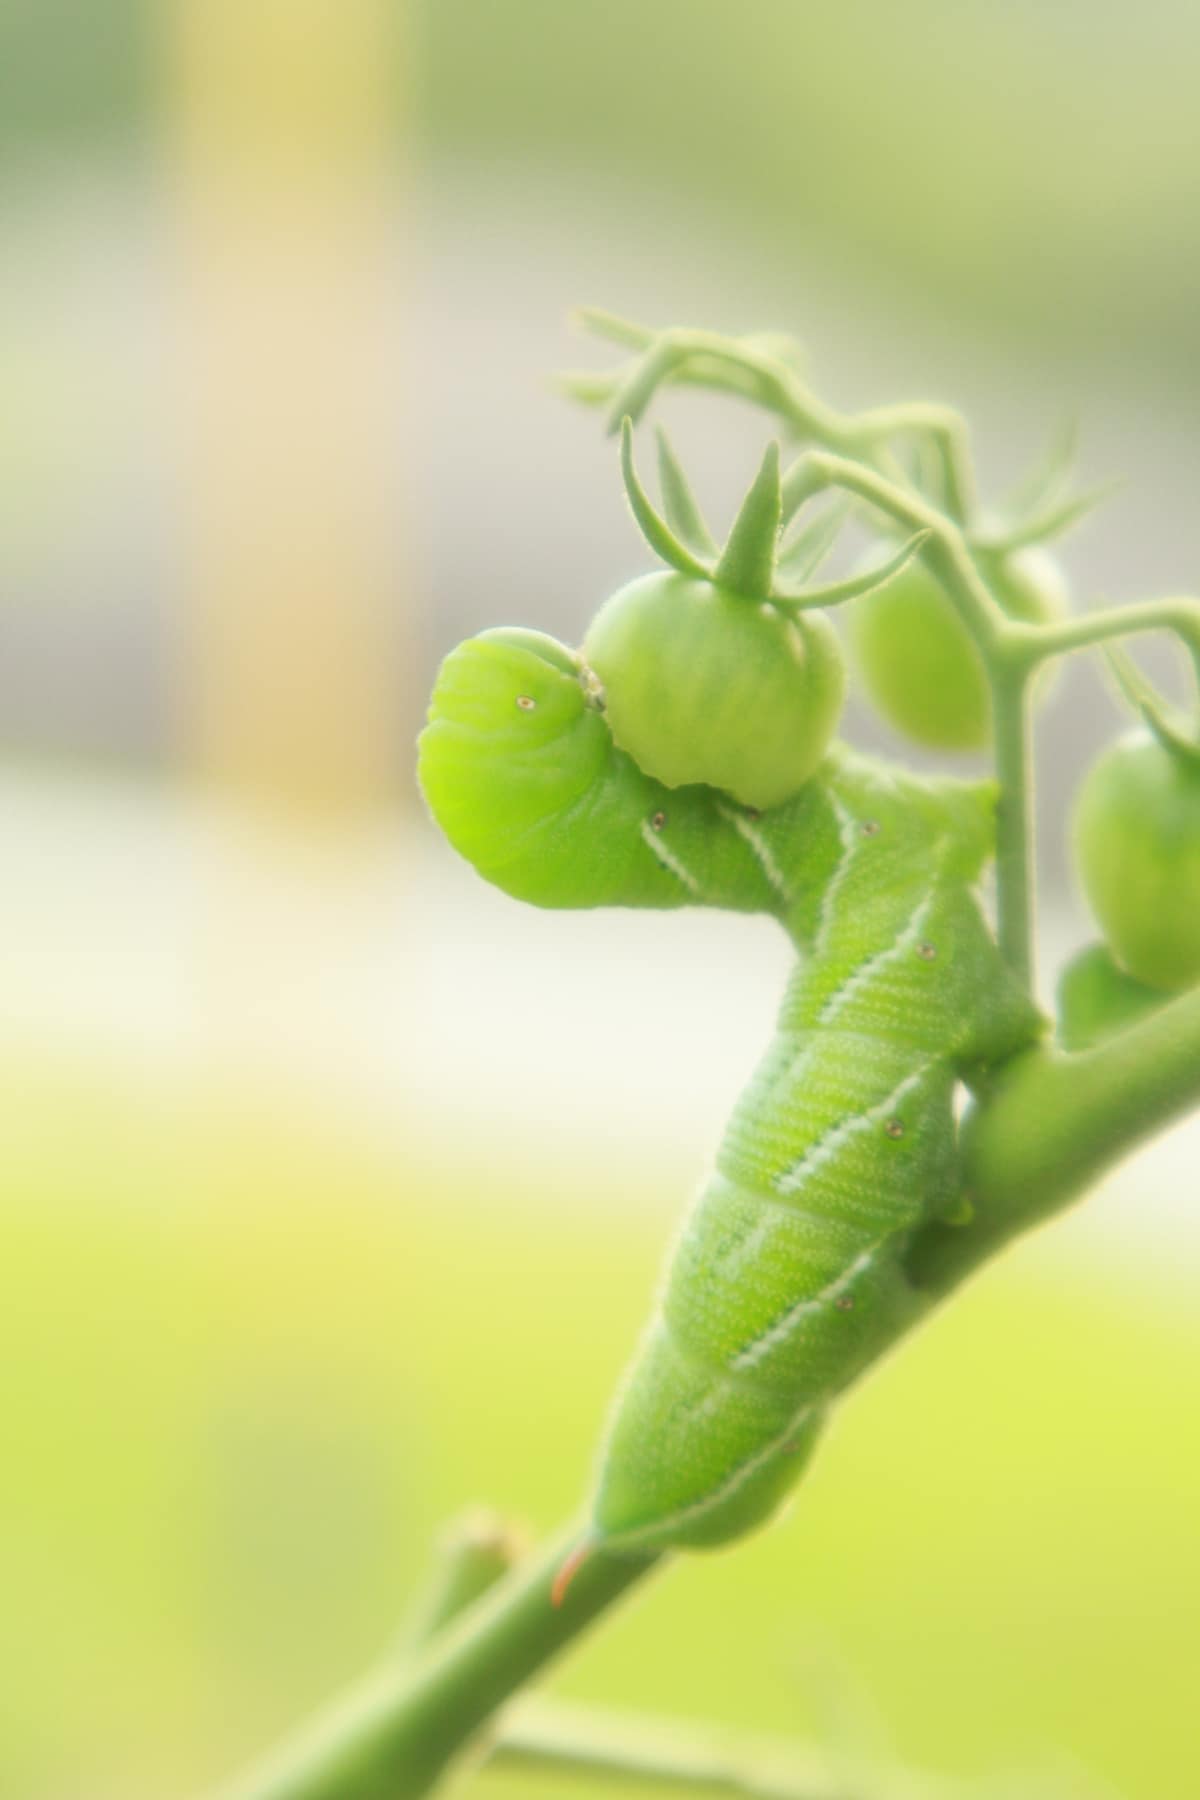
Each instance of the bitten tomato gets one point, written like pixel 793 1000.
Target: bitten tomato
pixel 705 685
pixel 916 656
pixel 1137 838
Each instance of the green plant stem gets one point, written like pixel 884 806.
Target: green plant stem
pixel 680 1759
pixel 1032 644
pixel 393 1737
pixel 945 549
pixel 713 361
pixel 946 553
pixel 1041 1134
pixel 478 1550
pixel 474 1553
pixel 1048 1128
pixel 1014 810
pixel 1054 1123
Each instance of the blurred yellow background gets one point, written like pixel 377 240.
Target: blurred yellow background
pixel 332 1184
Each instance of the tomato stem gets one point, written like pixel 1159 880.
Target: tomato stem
pixel 1014 810
pixel 1034 644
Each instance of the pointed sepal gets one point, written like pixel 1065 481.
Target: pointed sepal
pixel 800 559
pixel 1046 480
pixel 1168 724
pixel 1050 522
pixel 679 503
pixel 855 586
pixel 747 564
pixel 654 527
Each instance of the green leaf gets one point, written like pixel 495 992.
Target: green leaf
pixel 1166 721
pixel 679 502
pixel 835 592
pixel 654 528
pixel 747 563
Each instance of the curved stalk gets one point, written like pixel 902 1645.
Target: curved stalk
pixel 710 360
pixel 1035 644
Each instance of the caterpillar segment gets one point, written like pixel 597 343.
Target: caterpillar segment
pixel 788 1275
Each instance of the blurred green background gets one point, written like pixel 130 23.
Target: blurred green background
pixel 333 1186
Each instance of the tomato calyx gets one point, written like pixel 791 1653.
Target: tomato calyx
pixel 1176 734
pixel 746 567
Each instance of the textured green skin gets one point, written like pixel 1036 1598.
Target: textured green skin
pixel 703 685
pixel 1137 839
pixel 788 1276
pixel 916 656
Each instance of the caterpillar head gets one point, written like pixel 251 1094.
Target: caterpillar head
pixel 514 744
pixel 709 675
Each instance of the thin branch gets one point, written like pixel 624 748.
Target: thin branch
pixel 678 1758
pixel 746 366
pixel 394 1736
pixel 1014 817
pixel 1034 644
pixel 473 1554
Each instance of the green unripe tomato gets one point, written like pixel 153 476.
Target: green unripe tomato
pixel 1137 839
pixel 1096 999
pixel 705 685
pixel 916 656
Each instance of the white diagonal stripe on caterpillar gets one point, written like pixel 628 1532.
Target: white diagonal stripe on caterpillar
pixel 725 1489
pixel 781 1330
pixel 669 861
pixel 907 940
pixel 819 1153
pixel 759 848
pixel 848 831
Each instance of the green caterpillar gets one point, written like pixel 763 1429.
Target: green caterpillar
pixel 789 1273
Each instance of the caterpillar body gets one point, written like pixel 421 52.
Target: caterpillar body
pixel 789 1273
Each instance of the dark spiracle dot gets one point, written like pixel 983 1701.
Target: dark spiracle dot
pixel 845 1303
pixel 895 1128
pixel 754 812
pixel 658 821
pixel 926 952
pixel 870 827
pixel 526 702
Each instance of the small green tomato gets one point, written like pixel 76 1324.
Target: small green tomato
pixel 1137 839
pixel 916 656
pixel 1096 999
pixel 703 684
